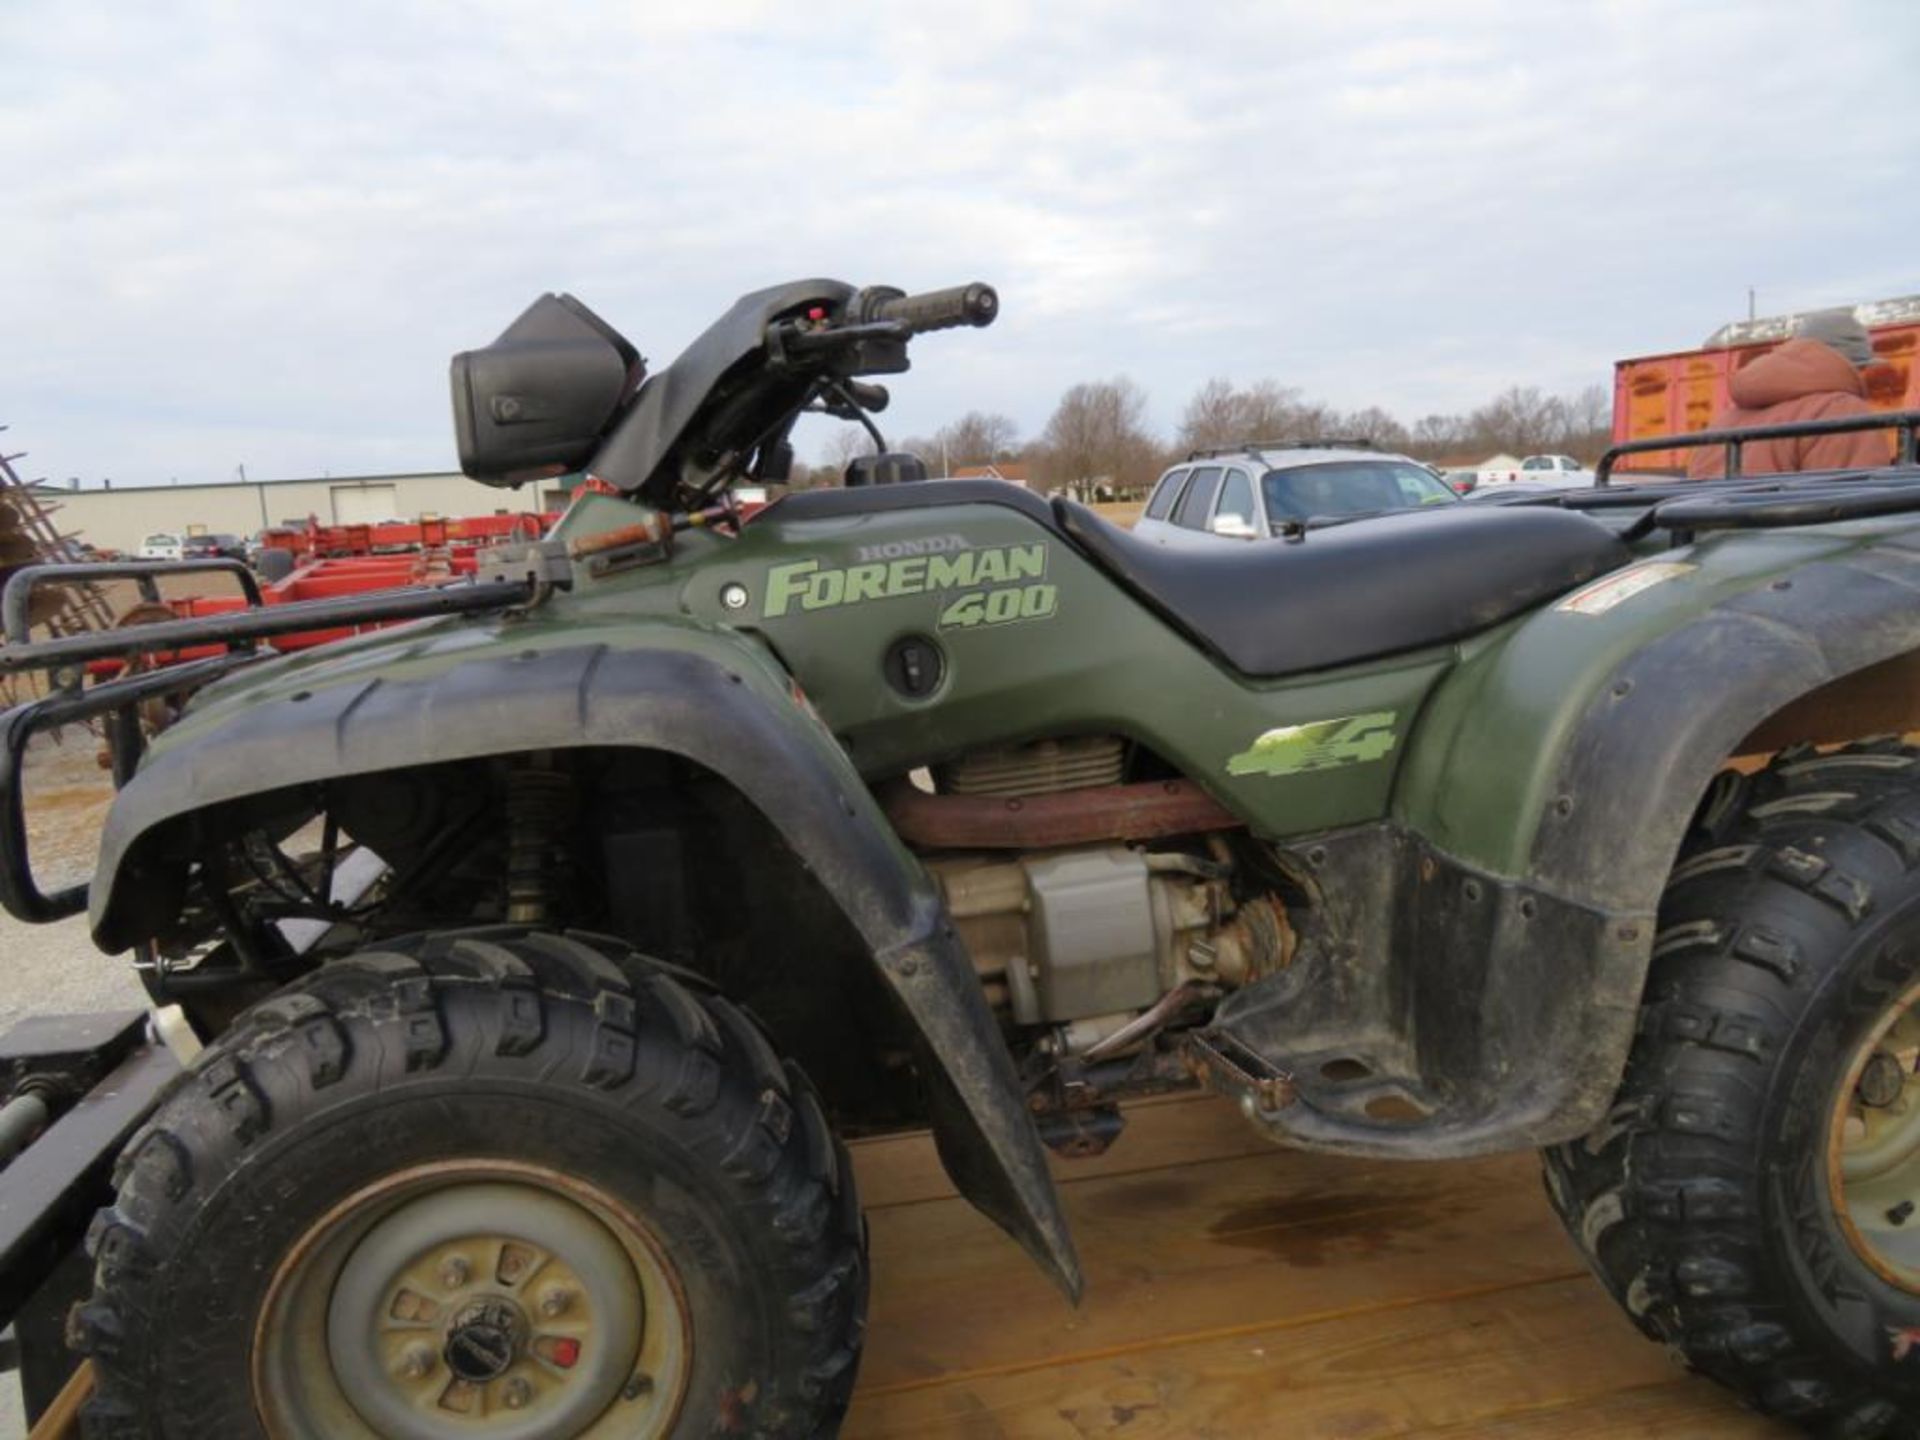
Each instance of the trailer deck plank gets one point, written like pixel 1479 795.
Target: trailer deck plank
pixel 1235 1289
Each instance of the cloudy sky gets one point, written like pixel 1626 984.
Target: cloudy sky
pixel 252 233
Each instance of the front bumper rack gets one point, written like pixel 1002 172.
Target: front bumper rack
pixel 236 634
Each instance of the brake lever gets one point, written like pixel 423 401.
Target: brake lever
pixel 789 341
pixel 848 399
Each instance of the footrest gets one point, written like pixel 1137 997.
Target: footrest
pixel 1228 1067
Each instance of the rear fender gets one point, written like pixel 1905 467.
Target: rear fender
pixel 713 699
pixel 1492 938
pixel 1644 702
pixel 1573 754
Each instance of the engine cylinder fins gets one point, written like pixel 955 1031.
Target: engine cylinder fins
pixel 1039 767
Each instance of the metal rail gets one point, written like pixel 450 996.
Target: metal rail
pixel 16 601
pixel 1906 424
pixel 1253 448
pixel 20 895
pixel 266 621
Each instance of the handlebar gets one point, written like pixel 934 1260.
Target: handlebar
pixel 975 304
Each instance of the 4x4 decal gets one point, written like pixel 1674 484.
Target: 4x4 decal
pixel 1317 745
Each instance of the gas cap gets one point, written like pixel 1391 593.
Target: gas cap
pixel 914 666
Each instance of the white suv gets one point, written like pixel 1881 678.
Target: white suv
pixel 1250 492
pixel 161 547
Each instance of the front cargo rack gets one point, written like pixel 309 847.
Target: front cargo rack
pixel 234 636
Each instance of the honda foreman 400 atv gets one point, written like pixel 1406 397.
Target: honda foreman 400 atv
pixel 543 948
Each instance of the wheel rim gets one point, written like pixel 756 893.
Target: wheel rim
pixel 473 1299
pixel 1873 1153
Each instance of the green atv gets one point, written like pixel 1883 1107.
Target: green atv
pixel 544 949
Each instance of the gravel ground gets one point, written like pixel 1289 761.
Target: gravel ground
pixel 48 969
pixel 53 968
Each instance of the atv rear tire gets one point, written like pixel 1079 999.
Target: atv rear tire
pixel 1705 1202
pixel 592 1189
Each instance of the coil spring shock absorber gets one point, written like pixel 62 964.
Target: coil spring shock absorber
pixel 540 806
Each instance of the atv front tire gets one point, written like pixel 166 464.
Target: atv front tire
pixel 1714 1201
pixel 492 1183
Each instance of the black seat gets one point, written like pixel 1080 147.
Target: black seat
pixel 1356 591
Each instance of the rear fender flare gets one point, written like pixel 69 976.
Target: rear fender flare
pixel 715 701
pixel 1675 711
pixel 1588 815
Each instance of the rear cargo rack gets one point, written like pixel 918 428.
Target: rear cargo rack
pixel 1754 502
pixel 1903 422
pixel 64 660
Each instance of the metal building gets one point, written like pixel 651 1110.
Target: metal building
pixel 121 517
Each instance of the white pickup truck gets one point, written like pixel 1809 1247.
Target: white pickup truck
pixel 1541 472
pixel 1554 467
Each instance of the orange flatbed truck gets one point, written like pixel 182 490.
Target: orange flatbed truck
pixel 1681 391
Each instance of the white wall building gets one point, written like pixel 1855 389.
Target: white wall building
pixel 118 519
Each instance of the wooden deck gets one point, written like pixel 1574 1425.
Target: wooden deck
pixel 1237 1290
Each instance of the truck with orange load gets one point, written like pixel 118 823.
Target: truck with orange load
pixel 1681 391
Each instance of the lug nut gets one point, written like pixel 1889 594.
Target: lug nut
pixel 416 1362
pixel 1882 1082
pixel 516 1393
pixel 556 1301
pixel 454 1271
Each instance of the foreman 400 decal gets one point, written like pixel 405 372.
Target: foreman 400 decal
pixel 999 584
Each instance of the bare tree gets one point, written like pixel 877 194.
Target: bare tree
pixel 976 438
pixel 1376 425
pixel 1589 422
pixel 1518 419
pixel 1219 414
pixel 1270 411
pixel 1212 417
pixel 1437 437
pixel 842 447
pixel 1097 438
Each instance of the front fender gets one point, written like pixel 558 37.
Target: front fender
pixel 710 697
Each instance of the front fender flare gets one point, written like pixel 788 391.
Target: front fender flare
pixel 717 703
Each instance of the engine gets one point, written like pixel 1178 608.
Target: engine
pixel 1088 902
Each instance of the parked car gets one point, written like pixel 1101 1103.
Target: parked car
pixel 1557 464
pixel 1560 470
pixel 1253 491
pixel 161 546
pixel 222 547
pixel 1539 472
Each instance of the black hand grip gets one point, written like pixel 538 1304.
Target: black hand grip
pixel 874 398
pixel 975 304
